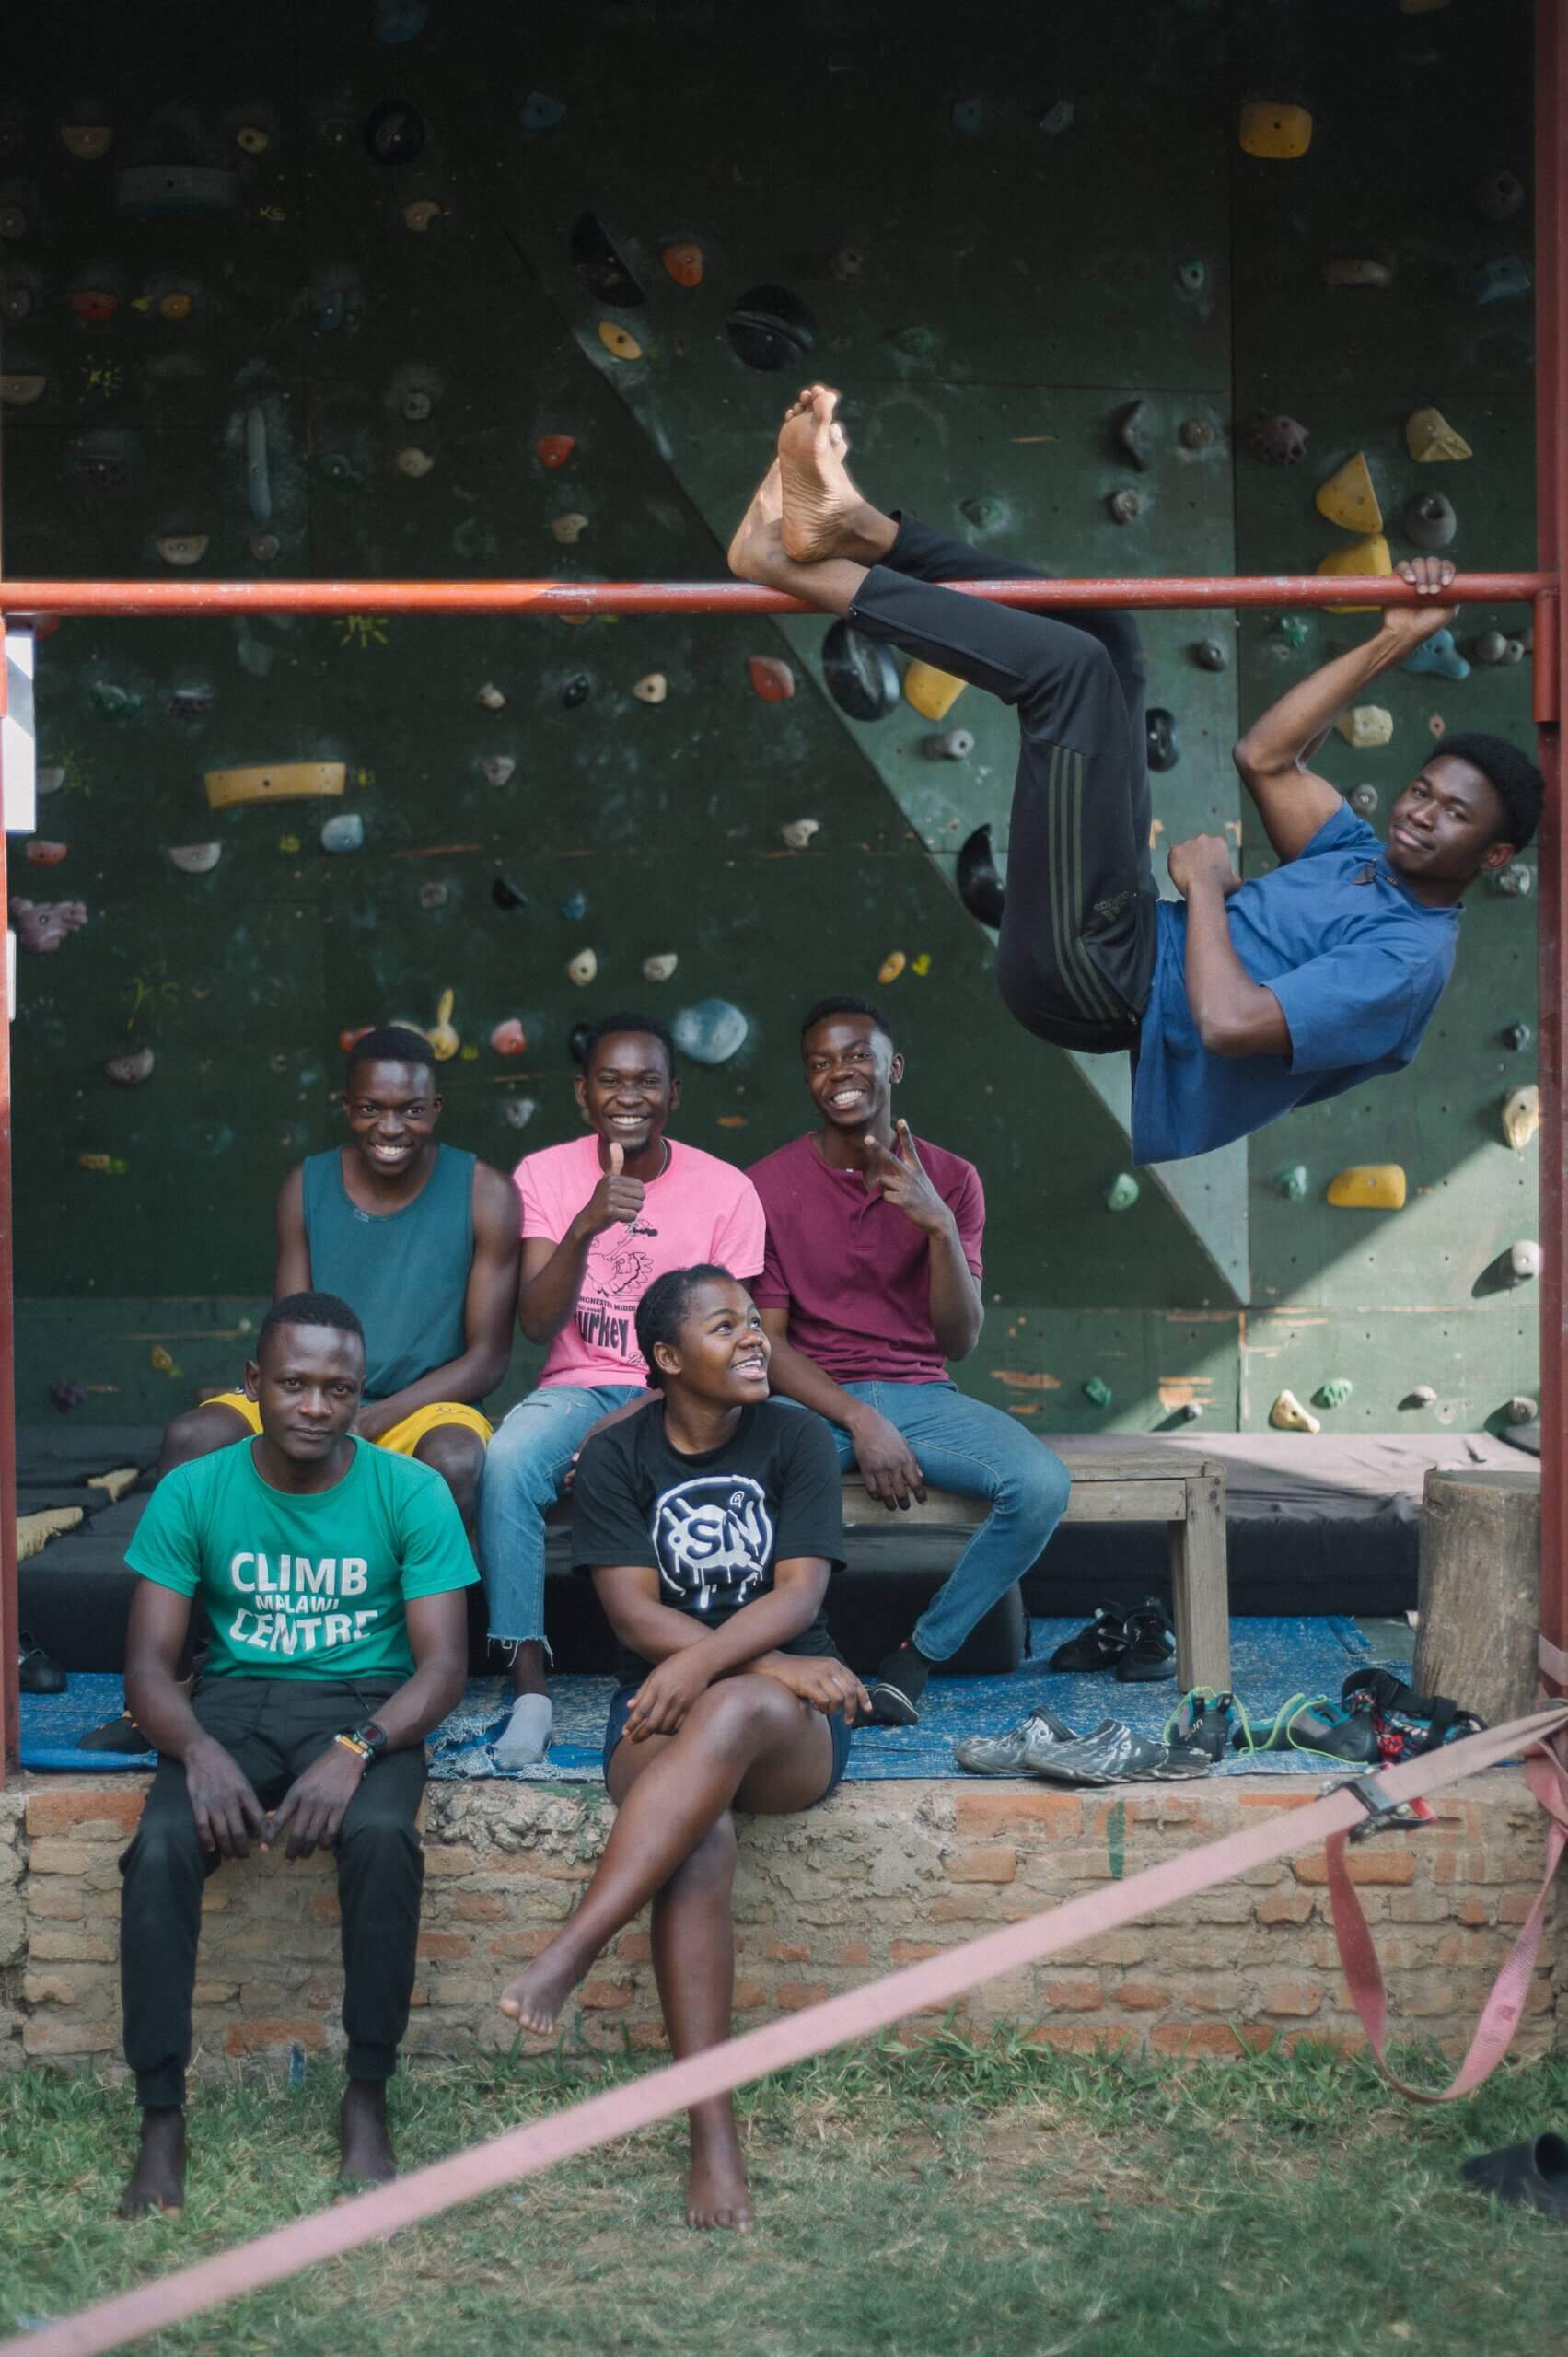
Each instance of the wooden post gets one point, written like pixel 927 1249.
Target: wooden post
pixel 1480 1590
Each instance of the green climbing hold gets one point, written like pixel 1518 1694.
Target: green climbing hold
pixel 1122 1192
pixel 1291 1182
pixel 915 343
pixel 1097 1393
pixel 1334 1393
pixel 114 703
pixel 982 512
pixel 1294 629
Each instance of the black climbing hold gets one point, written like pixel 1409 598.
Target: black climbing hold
pixel 506 894
pixel 1209 654
pixel 191 703
pixel 577 690
pixel 578 1041
pixel 980 886
pixel 601 264
pixel 1165 746
pixel 770 329
pixel 394 133
pixel 1133 425
pixel 862 676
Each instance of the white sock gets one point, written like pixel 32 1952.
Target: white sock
pixel 525 1739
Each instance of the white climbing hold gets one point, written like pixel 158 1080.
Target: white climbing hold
pixel 652 688
pixel 1521 1117
pixel 1364 724
pixel 659 967
pixel 1522 1410
pixel 1525 1260
pixel 195 859
pixel 415 462
pixel 568 528
pixel 182 548
pixel 582 968
pixel 519 1111
pixel 496 767
pixel 1288 1415
pixel 799 831
pixel 491 697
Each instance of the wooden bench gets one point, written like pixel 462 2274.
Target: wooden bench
pixel 1109 1484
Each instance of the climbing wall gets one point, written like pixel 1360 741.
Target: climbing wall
pixel 390 290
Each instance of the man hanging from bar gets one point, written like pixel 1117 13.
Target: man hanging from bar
pixel 1237 1002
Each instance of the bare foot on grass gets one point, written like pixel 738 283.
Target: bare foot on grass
pixel 717 2192
pixel 366 2148
pixel 157 2181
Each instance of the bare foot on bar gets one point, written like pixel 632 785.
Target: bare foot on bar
pixel 757 543
pixel 824 515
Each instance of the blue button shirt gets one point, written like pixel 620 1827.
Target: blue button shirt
pixel 1355 963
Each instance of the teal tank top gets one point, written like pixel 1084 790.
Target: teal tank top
pixel 406 1273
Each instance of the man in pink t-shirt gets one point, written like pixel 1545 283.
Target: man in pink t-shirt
pixel 602 1216
pixel 870 1285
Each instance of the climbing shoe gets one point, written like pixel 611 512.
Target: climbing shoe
pixel 1100 1644
pixel 38 1672
pixel 1535 2173
pixel 1116 1754
pixel 895 1688
pixel 1017 1751
pixel 1311 1722
pixel 1149 1648
pixel 1201 1722
pixel 116 1735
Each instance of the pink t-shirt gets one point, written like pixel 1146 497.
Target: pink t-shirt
pixel 697 1209
pixel 854 1273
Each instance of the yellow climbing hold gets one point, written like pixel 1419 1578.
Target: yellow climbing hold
pixel 1368 555
pixel 1349 499
pixel 34 1531
pixel 892 965
pixel 618 342
pixel 1429 436
pixel 119 1478
pixel 569 528
pixel 1521 1117
pixel 444 1041
pixel 652 688
pixel 1269 127
pixel 1368 1187
pixel 1364 724
pixel 932 693
pixel 273 782
pixel 1288 1415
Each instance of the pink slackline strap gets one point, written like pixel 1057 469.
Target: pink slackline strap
pixel 1500 2015
pixel 939 1980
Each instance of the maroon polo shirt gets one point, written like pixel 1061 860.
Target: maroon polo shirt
pixel 852 1272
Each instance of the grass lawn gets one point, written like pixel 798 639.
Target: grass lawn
pixel 1007 2201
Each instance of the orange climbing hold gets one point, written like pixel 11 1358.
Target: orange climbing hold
pixel 554 449
pixel 619 342
pixel 684 263
pixel 771 679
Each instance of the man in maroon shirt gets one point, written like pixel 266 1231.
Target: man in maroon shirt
pixel 870 1284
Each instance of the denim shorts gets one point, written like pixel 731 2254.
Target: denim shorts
pixel 838 1727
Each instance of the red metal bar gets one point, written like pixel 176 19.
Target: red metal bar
pixel 1552 670
pixel 10 1700
pixel 1281 590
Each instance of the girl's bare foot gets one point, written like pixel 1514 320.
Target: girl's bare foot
pixel 824 515
pixel 536 1996
pixel 717 2192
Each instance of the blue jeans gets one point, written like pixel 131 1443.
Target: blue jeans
pixel 960 1443
pixel 524 1467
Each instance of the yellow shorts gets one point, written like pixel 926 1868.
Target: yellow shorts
pixel 403 1439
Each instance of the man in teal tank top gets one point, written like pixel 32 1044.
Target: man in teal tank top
pixel 421 1239
pixel 331 1573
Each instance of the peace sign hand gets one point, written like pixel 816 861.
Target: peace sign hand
pixel 899 1179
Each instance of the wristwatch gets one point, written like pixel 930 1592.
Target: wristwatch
pixel 370 1741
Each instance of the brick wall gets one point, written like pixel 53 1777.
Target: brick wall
pixel 881 1876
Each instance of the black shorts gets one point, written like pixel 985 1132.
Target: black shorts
pixel 621 1702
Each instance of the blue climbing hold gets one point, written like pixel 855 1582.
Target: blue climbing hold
pixel 394 133
pixel 1507 280
pixel 968 114
pixel 536 112
pixel 396 21
pixel 344 833
pixel 574 907
pixel 1440 656
pixel 711 1031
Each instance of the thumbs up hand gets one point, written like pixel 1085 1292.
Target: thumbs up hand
pixel 615 1198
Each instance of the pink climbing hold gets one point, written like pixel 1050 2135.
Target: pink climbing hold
pixel 771 679
pixel 42 925
pixel 509 1039
pixel 46 854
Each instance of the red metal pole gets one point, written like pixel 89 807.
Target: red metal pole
pixel 10 1700
pixel 1552 672
pixel 576 598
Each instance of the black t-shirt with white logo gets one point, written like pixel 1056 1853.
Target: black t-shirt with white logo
pixel 712 1526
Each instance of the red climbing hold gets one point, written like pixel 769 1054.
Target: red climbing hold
pixel 554 449
pixel 95 303
pixel 684 263
pixel 771 679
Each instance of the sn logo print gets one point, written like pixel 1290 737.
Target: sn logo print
pixel 713 1537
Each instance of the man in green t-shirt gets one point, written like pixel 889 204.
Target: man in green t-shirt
pixel 331 1573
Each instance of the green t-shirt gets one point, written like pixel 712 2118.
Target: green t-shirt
pixel 304 1586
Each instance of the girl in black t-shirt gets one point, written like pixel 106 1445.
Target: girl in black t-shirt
pixel 710 1521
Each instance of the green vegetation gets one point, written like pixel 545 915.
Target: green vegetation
pixel 967 2201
